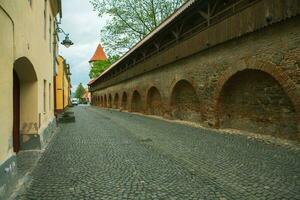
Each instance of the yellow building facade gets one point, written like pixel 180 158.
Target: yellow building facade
pixel 62 85
pixel 27 64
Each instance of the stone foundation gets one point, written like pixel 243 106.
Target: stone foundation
pixel 47 134
pixel 8 177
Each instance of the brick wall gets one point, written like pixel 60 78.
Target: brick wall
pixel 136 102
pixel 124 101
pixel 185 104
pixel 154 103
pixel 252 100
pixel 255 78
pixel 116 101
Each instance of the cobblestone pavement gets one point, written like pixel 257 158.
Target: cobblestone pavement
pixel 116 155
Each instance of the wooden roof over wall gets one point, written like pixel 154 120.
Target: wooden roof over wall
pixel 208 22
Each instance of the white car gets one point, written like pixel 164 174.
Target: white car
pixel 75 101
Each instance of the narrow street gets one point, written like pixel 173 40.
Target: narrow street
pixel 117 155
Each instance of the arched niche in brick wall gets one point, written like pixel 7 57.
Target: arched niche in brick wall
pixel 116 101
pixel 136 102
pixel 124 101
pixel 259 99
pixel 154 103
pixel 93 100
pixel 109 103
pixel 184 102
pixel 105 101
pixel 101 101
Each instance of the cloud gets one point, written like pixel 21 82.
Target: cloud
pixel 83 25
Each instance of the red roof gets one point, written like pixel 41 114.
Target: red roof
pixel 99 54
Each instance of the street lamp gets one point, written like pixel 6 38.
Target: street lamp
pixel 66 42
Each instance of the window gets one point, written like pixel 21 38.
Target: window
pixel 45 18
pixel 44 94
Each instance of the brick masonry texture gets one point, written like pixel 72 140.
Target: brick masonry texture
pixel 249 83
pixel 117 155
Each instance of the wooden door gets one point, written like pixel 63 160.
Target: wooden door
pixel 16 113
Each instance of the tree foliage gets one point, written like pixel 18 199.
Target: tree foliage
pixel 131 20
pixel 79 91
pixel 100 66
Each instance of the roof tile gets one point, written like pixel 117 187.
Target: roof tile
pixel 99 54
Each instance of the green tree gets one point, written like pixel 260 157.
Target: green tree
pixel 100 66
pixel 79 91
pixel 131 20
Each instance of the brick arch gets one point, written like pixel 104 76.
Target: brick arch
pixel 184 101
pixel 124 101
pixel 154 102
pixel 269 71
pixel 116 101
pixel 182 77
pixel 136 102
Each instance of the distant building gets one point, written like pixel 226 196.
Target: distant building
pixel 87 96
pixel 99 55
pixel 62 85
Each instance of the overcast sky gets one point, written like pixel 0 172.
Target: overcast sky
pixel 84 26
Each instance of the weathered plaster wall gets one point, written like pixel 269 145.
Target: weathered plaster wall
pixel 25 50
pixel 6 86
pixel 30 47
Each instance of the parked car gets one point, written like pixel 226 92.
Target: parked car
pixel 75 101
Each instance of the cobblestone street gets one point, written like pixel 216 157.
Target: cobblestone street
pixel 117 155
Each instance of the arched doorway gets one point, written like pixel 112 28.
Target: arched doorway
pixel 154 104
pixel 136 102
pixel 124 101
pixel 184 102
pixel 253 100
pixel 16 112
pixel 25 101
pixel 116 101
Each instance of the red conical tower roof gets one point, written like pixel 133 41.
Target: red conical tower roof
pixel 99 54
